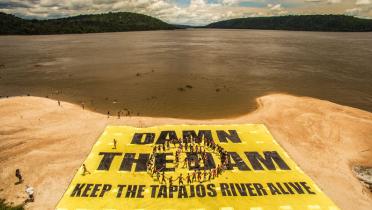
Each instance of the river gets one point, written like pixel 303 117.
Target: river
pixel 194 73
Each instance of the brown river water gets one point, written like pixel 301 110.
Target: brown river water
pixel 196 73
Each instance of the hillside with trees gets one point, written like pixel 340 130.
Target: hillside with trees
pixel 298 23
pixel 97 23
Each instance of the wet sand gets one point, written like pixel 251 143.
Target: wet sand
pixel 49 143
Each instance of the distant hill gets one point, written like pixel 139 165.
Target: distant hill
pixel 298 23
pixel 109 22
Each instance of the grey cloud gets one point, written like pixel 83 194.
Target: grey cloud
pixel 15 4
pixel 198 12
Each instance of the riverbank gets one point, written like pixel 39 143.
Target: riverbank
pixel 49 142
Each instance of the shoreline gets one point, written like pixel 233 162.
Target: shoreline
pixel 38 135
pixel 113 114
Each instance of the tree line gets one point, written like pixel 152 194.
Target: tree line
pixel 298 23
pixel 95 23
pixel 127 21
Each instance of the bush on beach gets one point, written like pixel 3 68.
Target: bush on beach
pixel 5 206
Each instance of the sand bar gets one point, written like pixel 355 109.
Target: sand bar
pixel 49 143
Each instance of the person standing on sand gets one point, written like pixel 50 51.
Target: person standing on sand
pixel 114 144
pixel 30 192
pixel 19 176
pixel 82 105
pixel 59 103
pixel 118 114
pixel 85 170
pixel 108 114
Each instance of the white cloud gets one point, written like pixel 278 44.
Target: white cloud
pixel 354 11
pixel 230 2
pixel 363 2
pixel 197 12
pixel 334 1
pixel 276 7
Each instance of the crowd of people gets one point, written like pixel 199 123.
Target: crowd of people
pixel 198 149
pixel 196 159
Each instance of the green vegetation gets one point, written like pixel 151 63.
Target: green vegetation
pixel 298 23
pixel 126 21
pixel 5 206
pixel 110 22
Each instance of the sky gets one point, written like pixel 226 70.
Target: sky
pixel 191 12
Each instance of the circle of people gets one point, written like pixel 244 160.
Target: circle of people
pixel 192 145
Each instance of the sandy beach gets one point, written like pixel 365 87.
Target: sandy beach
pixel 49 143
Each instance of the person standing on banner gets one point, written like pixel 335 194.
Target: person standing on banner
pixel 180 180
pixel 170 181
pixel 85 170
pixel 205 175
pixel 180 147
pixel 186 144
pixel 163 180
pixel 185 162
pixel 199 176
pixel 158 175
pixel 149 166
pixel 188 178
pixel 114 144
pixel 177 159
pixel 168 143
pixel 194 176
pixel 174 142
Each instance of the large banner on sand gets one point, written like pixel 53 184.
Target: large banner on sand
pixel 185 167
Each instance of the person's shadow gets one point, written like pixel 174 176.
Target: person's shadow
pixel 28 200
pixel 19 182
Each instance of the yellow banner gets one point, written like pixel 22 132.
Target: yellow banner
pixel 225 167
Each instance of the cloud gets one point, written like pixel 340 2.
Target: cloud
pixel 334 1
pixel 363 2
pixel 231 2
pixel 276 7
pixel 354 11
pixel 194 12
pixel 15 4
